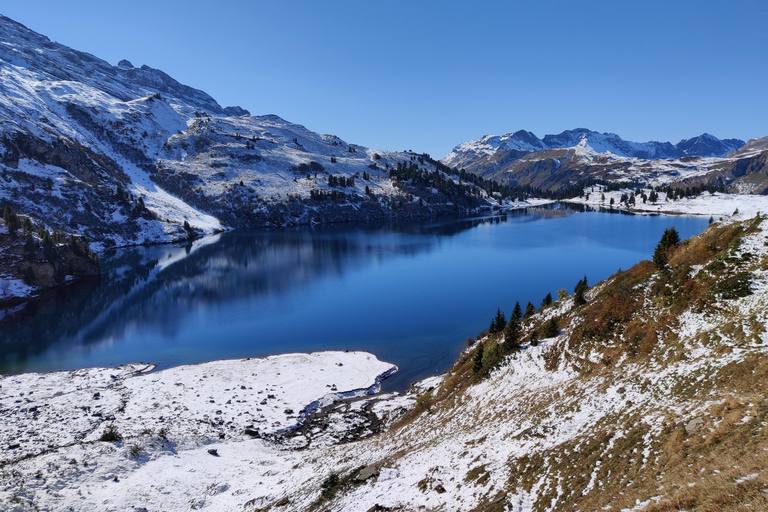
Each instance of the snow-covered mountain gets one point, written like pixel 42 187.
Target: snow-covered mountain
pixel 564 159
pixel 128 155
pixel 605 143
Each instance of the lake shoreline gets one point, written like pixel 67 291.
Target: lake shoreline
pixel 409 293
pixel 92 427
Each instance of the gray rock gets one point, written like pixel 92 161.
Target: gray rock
pixel 236 111
pixel 366 473
pixel 694 426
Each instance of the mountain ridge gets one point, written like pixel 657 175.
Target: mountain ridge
pixel 90 128
pixel 562 161
pixel 704 145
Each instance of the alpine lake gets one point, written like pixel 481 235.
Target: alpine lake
pixel 409 293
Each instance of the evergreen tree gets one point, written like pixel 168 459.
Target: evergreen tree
pixel 498 322
pixel 517 312
pixel 668 239
pixel 534 338
pixel 512 335
pixel 660 257
pixel 11 219
pixel 477 360
pixel 550 330
pixel 578 292
pixel 529 310
pixel 547 300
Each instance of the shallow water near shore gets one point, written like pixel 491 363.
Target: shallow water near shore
pixel 411 294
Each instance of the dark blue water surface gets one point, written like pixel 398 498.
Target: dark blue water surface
pixel 411 294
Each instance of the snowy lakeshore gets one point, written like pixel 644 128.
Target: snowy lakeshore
pixel 717 205
pixel 175 433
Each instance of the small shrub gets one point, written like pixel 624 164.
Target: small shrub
pixel 135 450
pixel 550 330
pixel 330 484
pixel 734 286
pixel 562 293
pixel 424 400
pixel 715 268
pixel 111 434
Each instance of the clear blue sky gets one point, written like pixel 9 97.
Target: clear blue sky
pixel 427 75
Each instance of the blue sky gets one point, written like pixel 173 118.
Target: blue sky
pixel 427 75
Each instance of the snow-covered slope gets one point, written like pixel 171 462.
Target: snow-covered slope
pixel 562 160
pixel 129 155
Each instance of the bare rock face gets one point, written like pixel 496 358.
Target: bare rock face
pixel 236 111
pixel 694 425
pixel 46 265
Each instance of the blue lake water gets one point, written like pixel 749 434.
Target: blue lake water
pixel 411 294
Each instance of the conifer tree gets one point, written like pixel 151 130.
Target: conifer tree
pixel 660 257
pixel 578 292
pixel 547 300
pixel 534 338
pixel 512 335
pixel 550 330
pixel 517 312
pixel 477 360
pixel 529 310
pixel 668 239
pixel 498 322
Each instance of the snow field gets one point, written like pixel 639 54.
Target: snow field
pixel 168 419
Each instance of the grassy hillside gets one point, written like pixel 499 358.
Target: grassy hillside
pixel 651 396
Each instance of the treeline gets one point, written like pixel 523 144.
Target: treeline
pixel 514 192
pixel 670 190
pixel 505 337
pixel 38 237
pixel 334 196
pixel 340 181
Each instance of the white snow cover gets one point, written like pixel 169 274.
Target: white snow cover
pixel 169 419
pixel 717 205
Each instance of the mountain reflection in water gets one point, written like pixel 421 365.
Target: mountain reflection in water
pixel 409 293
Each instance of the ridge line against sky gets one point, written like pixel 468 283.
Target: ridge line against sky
pixel 429 75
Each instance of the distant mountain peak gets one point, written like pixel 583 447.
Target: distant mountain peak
pixel 706 145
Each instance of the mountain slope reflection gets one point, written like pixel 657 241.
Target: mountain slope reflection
pixel 151 289
pixel 409 293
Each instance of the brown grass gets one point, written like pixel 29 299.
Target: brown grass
pixel 632 315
